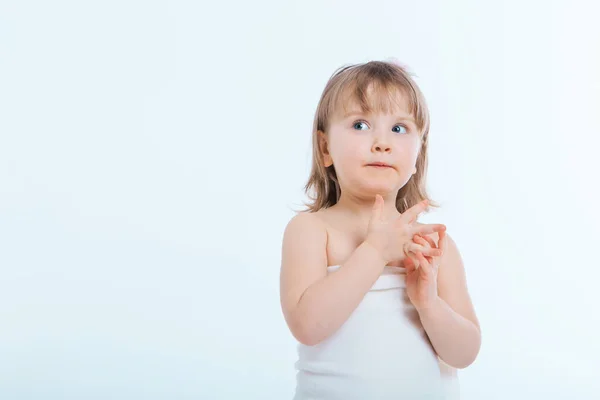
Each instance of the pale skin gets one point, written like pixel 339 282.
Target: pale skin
pixel 364 232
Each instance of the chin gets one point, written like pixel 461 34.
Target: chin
pixel 381 188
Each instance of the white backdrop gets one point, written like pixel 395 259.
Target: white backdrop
pixel 151 154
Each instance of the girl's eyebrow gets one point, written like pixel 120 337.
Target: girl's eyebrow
pixel 360 113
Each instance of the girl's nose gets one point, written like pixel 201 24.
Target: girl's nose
pixel 381 146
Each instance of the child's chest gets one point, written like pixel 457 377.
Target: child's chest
pixel 342 243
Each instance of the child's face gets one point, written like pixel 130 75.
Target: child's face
pixel 357 140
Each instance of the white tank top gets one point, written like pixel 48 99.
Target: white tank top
pixel 380 352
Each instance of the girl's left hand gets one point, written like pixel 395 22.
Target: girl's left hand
pixel 421 272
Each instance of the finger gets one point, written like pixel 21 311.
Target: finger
pixel 410 249
pixel 413 219
pixel 377 208
pixel 412 213
pixel 430 241
pixel 432 263
pixel 431 252
pixel 427 229
pixel 413 247
pixel 409 263
pixel 415 260
pixel 443 241
pixel 428 247
pixel 420 240
pixel 425 265
pixel 425 250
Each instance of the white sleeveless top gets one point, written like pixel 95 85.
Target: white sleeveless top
pixel 380 352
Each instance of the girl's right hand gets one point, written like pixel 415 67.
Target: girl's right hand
pixel 393 239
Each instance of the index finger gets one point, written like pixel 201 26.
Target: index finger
pixel 412 213
pixel 428 229
pixel 442 240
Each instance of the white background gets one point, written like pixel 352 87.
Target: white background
pixel 151 154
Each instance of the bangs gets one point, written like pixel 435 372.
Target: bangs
pixel 380 89
pixel 373 97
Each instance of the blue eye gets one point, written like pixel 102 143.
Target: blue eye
pixel 358 123
pixel 399 126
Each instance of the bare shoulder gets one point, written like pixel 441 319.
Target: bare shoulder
pixel 303 258
pixel 304 221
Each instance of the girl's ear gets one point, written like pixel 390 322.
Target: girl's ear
pixel 323 147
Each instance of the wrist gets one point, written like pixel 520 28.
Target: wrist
pixel 376 250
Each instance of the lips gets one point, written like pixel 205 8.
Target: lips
pixel 380 165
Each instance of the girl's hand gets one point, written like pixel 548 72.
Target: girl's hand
pixel 393 239
pixel 421 272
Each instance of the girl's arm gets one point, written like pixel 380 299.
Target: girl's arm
pixel 315 304
pixel 451 323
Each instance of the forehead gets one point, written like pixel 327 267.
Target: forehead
pixel 374 100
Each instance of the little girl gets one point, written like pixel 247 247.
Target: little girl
pixel 377 300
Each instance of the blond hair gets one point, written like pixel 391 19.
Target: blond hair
pixel 350 84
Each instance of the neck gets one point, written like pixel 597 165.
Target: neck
pixel 362 206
